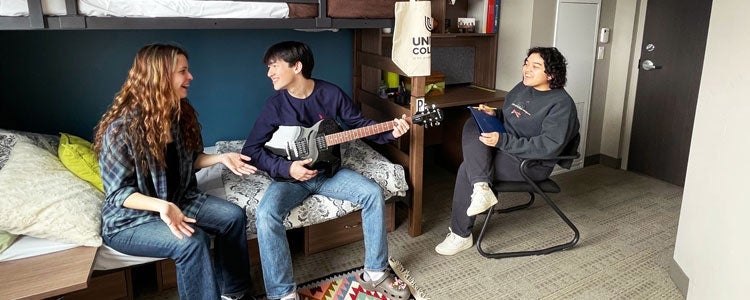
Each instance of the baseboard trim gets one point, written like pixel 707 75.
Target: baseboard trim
pixel 591 160
pixel 603 160
pixel 679 277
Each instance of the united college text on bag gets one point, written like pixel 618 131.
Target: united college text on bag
pixel 411 37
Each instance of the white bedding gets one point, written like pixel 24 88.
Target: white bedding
pixel 209 181
pixel 155 8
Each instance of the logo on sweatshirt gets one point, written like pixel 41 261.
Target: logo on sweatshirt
pixel 518 110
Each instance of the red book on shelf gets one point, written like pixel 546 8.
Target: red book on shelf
pixel 490 19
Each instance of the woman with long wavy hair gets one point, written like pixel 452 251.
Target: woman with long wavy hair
pixel 149 145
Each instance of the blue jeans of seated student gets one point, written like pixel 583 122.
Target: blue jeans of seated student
pixel 281 197
pixel 196 279
pixel 483 164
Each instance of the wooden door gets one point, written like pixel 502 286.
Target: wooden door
pixel 671 61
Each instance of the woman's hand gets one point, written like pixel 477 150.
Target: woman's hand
pixel 176 220
pixel 400 126
pixel 490 138
pixel 298 171
pixel 488 109
pixel 235 162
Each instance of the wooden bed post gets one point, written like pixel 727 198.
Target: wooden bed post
pixel 416 157
pixel 369 63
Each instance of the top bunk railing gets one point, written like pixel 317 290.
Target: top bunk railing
pixel 73 20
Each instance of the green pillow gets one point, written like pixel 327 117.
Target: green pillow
pixel 77 155
pixel 6 239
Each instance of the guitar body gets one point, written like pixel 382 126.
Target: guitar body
pixel 300 143
pixel 321 141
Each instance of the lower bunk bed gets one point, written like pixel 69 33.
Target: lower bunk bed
pixel 328 223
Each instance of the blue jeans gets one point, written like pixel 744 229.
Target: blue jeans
pixel 281 197
pixel 482 164
pixel 196 279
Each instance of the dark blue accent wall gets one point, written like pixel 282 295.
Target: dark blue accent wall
pixel 63 81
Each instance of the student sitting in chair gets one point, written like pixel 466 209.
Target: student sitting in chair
pixel 540 118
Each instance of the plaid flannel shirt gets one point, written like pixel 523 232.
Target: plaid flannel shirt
pixel 122 177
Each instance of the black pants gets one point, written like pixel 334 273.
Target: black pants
pixel 483 164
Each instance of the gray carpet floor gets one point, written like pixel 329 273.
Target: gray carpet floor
pixel 628 224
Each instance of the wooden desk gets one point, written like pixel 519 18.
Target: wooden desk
pixel 46 275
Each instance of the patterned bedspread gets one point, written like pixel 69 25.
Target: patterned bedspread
pixel 247 191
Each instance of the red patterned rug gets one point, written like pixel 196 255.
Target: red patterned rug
pixel 344 286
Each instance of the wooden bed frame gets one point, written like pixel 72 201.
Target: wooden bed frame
pixel 372 62
pixel 369 60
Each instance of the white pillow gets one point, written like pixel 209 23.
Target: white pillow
pixel 39 197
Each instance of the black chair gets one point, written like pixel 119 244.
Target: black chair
pixel 539 187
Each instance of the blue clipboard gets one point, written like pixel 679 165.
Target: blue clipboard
pixel 485 122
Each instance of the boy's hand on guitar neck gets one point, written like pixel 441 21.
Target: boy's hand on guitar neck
pixel 299 172
pixel 401 126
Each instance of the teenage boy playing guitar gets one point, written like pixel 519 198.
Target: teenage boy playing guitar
pixel 300 100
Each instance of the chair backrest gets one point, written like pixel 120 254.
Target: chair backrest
pixel 571 149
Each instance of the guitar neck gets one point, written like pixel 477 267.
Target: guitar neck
pixel 353 134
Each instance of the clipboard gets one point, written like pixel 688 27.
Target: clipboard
pixel 485 122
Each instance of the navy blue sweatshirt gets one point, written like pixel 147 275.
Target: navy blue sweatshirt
pixel 539 123
pixel 327 101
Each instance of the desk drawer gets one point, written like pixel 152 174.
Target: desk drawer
pixel 106 285
pixel 341 231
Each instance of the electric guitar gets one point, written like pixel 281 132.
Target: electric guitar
pixel 321 141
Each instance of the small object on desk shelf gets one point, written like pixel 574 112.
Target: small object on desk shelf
pixel 391 79
pixel 434 24
pixel 402 96
pixel 382 90
pixel 387 30
pixel 433 85
pixel 466 25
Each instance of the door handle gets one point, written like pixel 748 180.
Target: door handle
pixel 648 65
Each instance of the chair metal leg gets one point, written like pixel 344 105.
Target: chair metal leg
pixel 559 247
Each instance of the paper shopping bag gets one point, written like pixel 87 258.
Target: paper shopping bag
pixel 411 37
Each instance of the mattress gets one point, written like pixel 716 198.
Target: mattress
pixel 353 9
pixel 155 8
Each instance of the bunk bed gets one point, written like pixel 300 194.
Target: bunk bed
pixel 195 14
pixel 292 14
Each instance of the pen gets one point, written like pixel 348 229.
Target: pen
pixel 486 107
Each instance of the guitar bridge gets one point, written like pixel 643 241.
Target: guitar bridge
pixel 301 149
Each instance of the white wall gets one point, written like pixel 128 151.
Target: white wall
pixel 514 39
pixel 623 45
pixel 713 238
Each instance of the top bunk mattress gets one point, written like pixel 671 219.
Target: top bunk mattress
pixel 353 9
pixel 167 8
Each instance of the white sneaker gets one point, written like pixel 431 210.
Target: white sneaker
pixel 482 199
pixel 454 243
